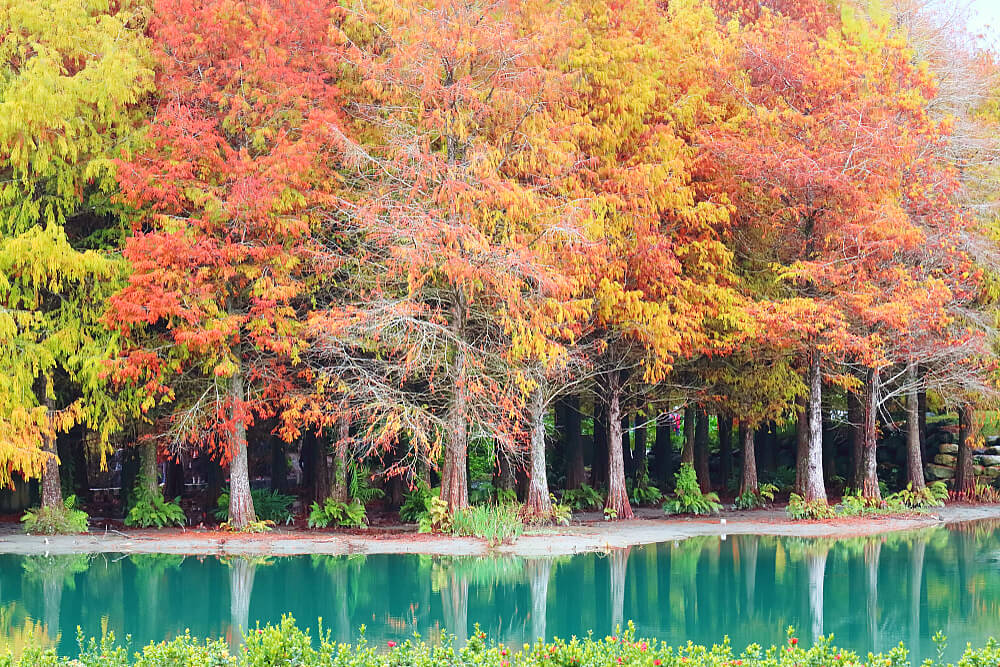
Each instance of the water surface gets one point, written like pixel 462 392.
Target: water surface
pixel 871 593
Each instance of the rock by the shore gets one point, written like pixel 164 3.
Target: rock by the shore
pixel 946 460
pixel 939 471
pixel 950 448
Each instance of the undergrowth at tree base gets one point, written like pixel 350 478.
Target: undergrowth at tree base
pixel 286 644
pixel 55 520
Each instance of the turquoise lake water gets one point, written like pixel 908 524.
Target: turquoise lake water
pixel 871 593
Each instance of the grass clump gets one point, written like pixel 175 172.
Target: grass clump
pixel 58 520
pixel 496 523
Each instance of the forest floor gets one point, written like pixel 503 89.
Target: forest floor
pixel 588 532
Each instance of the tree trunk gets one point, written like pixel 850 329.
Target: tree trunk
pixel 748 481
pixel 829 448
pixel 617 494
pixel 149 476
pixel 241 512
pixel 572 436
pixel 663 451
pixel 725 448
pixel 639 445
pixel 917 552
pixel 51 484
pixel 965 479
pixel 813 487
pixel 339 490
pixel 455 604
pixel 701 451
pixel 321 474
pixel 801 443
pixel 856 417
pixel 538 503
pixel 627 456
pixel 749 556
pixel 873 553
pixel 599 464
pixel 914 461
pixel 869 463
pixel 279 465
pixel 173 485
pixel 52 590
pixel 922 417
pixel 687 453
pixel 454 477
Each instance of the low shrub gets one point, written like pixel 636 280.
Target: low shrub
pixel 437 518
pixel 267 505
pixel 495 523
pixel 688 498
pixel 55 520
pixel 749 500
pixel 416 503
pixel 152 509
pixel 584 498
pixel 337 513
pixel 286 644
pixel 798 508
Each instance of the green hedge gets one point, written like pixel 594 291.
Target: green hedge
pixel 287 645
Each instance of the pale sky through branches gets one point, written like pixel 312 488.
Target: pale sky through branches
pixel 985 18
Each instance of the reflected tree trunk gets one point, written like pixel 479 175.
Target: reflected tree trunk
pixel 917 552
pixel 455 605
pixel 873 551
pixel 241 575
pixel 751 545
pixel 618 563
pixel 816 567
pixel 52 590
pixel 539 573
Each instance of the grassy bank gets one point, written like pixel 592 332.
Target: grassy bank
pixel 287 645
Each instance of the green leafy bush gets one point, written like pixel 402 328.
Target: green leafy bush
pixel 416 503
pixel 55 520
pixel 335 513
pixel 584 498
pixel 783 477
pixel 932 495
pixel 495 523
pixel 152 509
pixel 286 644
pixel 267 505
pixel 749 500
pixel 437 518
pixel 644 493
pixel 798 508
pixel 688 498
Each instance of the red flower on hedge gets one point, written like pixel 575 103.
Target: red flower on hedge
pixel 392 644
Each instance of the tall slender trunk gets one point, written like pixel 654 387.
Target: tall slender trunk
pixel 965 479
pixel 663 451
pixel 279 465
pixel 829 448
pixel 813 487
pixel 856 417
pixel 914 461
pixel 321 474
pixel 454 476
pixel 801 443
pixel 701 451
pixel 51 484
pixel 748 483
pixel 639 444
pixel 572 441
pixel 922 420
pixel 617 494
pixel 241 512
pixel 599 462
pixel 869 462
pixel 725 448
pixel 538 503
pixel 339 490
pixel 241 576
pixel 627 457
pixel 687 453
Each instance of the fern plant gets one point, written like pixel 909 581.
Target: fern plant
pixel 799 508
pixel 360 487
pixel 584 498
pixel 762 498
pixel 152 509
pixel 688 498
pixel 333 512
pixel 55 520
pixel 415 503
